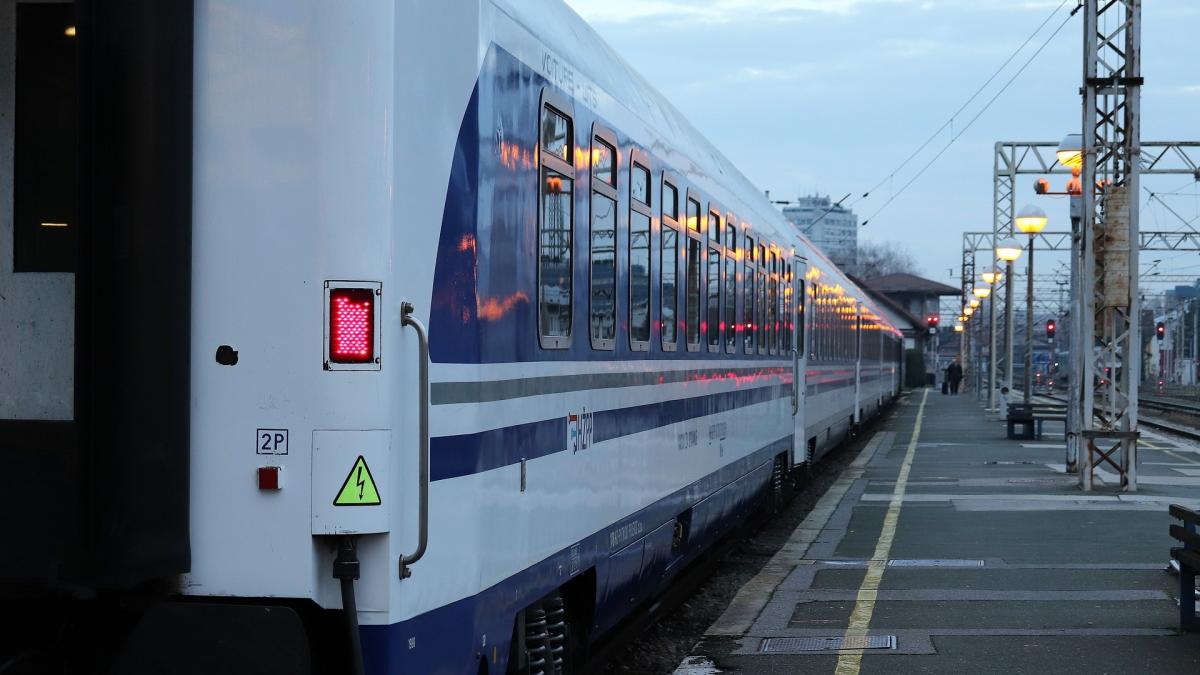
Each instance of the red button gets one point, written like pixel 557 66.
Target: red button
pixel 268 478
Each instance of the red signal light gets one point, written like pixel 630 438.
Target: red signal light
pixel 352 325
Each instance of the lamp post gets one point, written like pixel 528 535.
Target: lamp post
pixel 981 293
pixel 1008 250
pixel 1030 220
pixel 991 276
pixel 974 336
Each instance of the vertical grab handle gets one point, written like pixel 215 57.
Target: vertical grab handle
pixel 795 381
pixel 407 319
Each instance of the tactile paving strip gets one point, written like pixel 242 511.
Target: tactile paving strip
pixel 825 644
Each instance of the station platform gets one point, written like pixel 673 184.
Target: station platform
pixel 946 548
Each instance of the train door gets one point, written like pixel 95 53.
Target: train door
pixel 796 298
pixel 95 167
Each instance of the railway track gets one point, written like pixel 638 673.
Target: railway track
pixel 1163 405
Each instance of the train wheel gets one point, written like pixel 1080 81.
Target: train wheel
pixel 543 645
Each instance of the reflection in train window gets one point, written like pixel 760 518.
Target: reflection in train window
pixel 555 227
pixel 760 303
pixel 603 162
pixel 693 274
pixel 639 184
pixel 713 316
pixel 748 294
pixel 670 201
pixel 730 315
pixel 554 257
pixel 602 245
pixel 639 255
pixel 556 134
pixel 668 293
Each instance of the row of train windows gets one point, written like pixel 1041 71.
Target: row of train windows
pixel 770 288
pixel 710 291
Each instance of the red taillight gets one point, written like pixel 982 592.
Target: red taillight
pixel 352 325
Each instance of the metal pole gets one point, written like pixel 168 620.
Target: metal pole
pixel 1195 328
pixel 1074 346
pixel 1008 328
pixel 1029 326
pixel 992 346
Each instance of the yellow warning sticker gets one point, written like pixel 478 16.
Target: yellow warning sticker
pixel 359 488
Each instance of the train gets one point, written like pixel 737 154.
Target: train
pixel 391 337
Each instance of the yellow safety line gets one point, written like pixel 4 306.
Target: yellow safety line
pixel 850 660
pixel 1179 457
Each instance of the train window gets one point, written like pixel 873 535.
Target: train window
pixel 604 162
pixel 772 304
pixel 692 300
pixel 668 267
pixel 670 200
pixel 760 305
pixel 639 183
pixel 639 252
pixel 800 314
pixel 713 294
pixel 45 153
pixel 713 317
pixel 602 303
pixel 668 295
pixel 748 295
pixel 731 322
pixel 556 133
pixel 555 225
pixel 788 324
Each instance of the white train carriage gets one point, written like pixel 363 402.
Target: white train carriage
pixel 514 342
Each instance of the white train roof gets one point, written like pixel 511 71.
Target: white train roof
pixel 568 35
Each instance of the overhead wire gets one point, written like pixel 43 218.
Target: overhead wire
pixel 950 122
pixel 974 119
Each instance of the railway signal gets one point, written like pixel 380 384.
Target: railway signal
pixel 1050 328
pixel 1160 330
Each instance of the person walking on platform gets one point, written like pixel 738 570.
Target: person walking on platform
pixel 954 374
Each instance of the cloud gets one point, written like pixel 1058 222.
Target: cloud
pixel 715 11
pixel 1179 90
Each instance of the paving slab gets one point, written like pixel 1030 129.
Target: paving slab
pixel 958 550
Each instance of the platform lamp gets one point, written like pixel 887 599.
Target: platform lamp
pixel 1008 250
pixel 1030 220
pixel 991 276
pixel 1070 151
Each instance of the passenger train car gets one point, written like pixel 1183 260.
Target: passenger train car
pixel 513 342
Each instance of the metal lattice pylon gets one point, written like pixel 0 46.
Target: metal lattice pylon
pixel 1108 346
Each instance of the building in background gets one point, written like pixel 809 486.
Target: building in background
pixel 918 300
pixel 833 228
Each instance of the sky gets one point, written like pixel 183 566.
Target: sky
pixel 830 96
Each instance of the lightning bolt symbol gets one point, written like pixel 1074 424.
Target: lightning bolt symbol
pixel 360 482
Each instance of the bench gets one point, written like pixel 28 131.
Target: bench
pixel 1031 417
pixel 1188 557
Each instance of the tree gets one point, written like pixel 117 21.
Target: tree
pixel 880 258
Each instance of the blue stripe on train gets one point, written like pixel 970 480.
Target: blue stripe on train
pixel 450 639
pixel 466 454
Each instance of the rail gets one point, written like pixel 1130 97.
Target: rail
pixel 407 319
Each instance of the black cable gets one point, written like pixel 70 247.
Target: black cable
pixel 962 107
pixel 345 570
pixel 971 123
